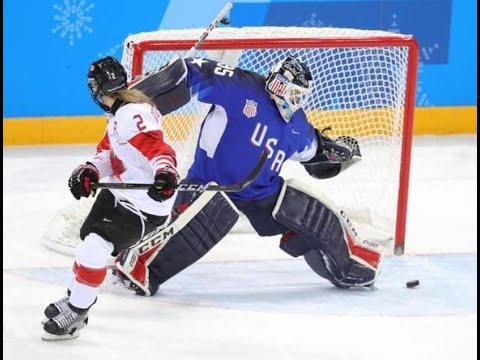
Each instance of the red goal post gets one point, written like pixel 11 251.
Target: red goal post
pixel 268 38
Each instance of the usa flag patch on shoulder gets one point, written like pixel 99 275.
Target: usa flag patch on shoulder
pixel 250 108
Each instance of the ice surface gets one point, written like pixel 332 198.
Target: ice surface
pixel 246 299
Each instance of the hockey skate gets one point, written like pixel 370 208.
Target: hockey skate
pixel 55 308
pixel 66 325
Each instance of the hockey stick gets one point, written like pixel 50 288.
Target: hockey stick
pixel 195 187
pixel 209 29
pixel 220 18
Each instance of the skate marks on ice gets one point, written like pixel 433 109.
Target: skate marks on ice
pixel 447 287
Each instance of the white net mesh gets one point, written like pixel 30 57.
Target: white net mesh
pixel 63 231
pixel 359 90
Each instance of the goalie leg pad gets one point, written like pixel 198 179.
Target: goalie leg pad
pixel 211 224
pixel 317 262
pixel 307 216
pixel 335 252
pixel 354 274
pixel 294 244
pixel 163 254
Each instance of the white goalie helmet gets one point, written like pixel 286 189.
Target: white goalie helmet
pixel 289 84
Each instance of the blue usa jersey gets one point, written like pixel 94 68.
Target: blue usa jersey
pixel 241 123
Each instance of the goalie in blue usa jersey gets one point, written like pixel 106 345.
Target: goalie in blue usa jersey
pixel 249 113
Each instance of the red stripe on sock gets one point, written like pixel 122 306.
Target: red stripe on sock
pixel 90 277
pixel 75 268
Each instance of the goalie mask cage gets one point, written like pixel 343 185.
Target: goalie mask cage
pixel 363 86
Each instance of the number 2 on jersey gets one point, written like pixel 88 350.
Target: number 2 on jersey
pixel 140 125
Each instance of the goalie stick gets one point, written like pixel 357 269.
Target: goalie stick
pixel 195 187
pixel 208 30
pixel 220 18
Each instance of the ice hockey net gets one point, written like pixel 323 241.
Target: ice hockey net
pixel 364 86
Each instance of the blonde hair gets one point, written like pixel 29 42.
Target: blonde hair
pixel 133 96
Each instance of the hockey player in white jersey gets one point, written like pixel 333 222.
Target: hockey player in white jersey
pixel 133 149
pixel 249 113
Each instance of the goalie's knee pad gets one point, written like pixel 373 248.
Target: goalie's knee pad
pixel 328 240
pixel 165 252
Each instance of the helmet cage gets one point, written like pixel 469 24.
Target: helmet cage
pixel 289 86
pixel 96 93
pixel 294 95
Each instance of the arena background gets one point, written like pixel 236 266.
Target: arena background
pixel 48 48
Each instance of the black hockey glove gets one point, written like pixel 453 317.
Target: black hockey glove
pixel 166 181
pixel 81 179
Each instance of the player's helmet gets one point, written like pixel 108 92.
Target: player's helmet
pixel 105 77
pixel 289 85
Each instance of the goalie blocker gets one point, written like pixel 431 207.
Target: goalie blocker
pixel 167 86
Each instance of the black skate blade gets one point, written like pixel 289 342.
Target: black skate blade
pixel 51 337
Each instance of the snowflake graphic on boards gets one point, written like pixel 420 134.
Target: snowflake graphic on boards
pixel 313 21
pixel 72 19
pixel 112 51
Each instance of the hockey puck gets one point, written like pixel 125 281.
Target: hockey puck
pixel 225 21
pixel 412 283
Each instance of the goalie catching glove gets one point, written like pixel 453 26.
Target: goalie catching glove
pixel 333 156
